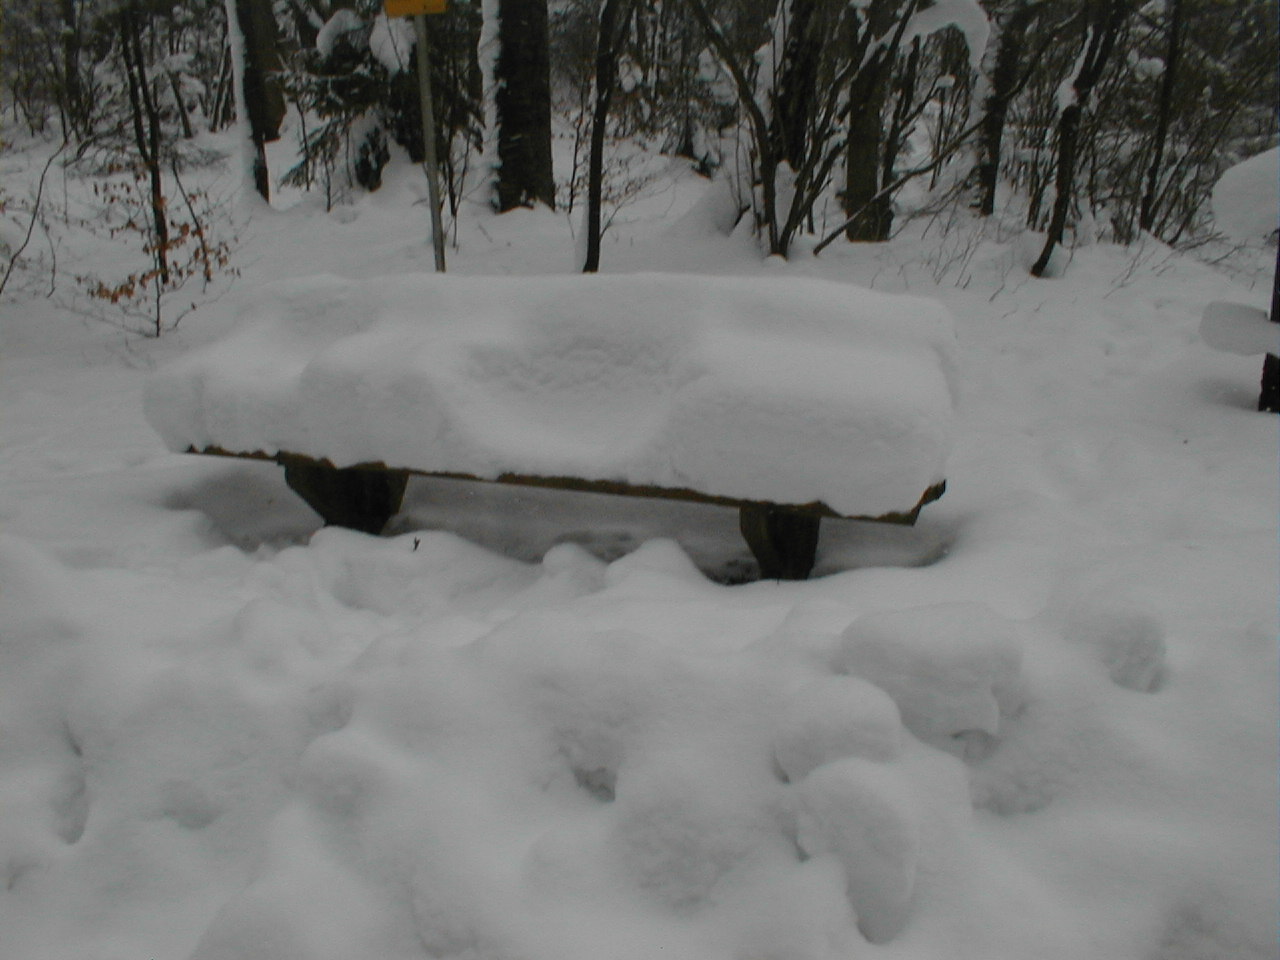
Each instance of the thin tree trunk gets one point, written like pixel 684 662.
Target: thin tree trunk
pixel 898 127
pixel 1102 37
pixel 1004 84
pixel 1164 111
pixel 183 115
pixel 1068 141
pixel 766 156
pixel 73 89
pixel 862 168
pixel 612 18
pixel 796 97
pixel 147 138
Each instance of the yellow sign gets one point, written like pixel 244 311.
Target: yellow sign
pixel 413 8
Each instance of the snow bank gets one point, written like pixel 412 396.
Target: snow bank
pixel 1246 199
pixel 784 390
pixel 555 785
pixel 1239 328
pixel 952 668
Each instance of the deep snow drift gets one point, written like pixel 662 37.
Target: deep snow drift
pixel 1042 723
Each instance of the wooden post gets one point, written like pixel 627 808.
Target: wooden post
pixel 784 541
pixel 1269 398
pixel 357 498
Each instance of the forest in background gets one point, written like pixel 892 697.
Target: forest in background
pixel 1077 119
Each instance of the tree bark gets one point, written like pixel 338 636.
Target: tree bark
pixel 263 96
pixel 1164 111
pixel 1004 84
pixel 146 134
pixel 612 22
pixel 73 89
pixel 766 157
pixel 868 207
pixel 1104 27
pixel 862 197
pixel 796 96
pixel 523 102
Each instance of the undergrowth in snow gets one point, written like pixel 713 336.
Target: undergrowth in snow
pixel 524 725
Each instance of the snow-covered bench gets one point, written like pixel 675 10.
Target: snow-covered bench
pixel 790 399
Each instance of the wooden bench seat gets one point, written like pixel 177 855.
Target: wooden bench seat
pixel 783 538
pixel 787 398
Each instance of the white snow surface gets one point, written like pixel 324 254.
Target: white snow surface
pixel 1239 328
pixel 1246 198
pixel 526 725
pixel 785 390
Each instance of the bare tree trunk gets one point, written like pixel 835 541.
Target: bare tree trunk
pixel 1164 111
pixel 1104 28
pixel 862 197
pixel 868 207
pixel 263 97
pixel 147 134
pixel 612 23
pixel 1004 85
pixel 523 101
pixel 796 97
pixel 73 90
pixel 893 141
pixel 766 155
pixel 183 115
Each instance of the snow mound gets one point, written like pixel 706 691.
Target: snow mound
pixel 1246 198
pixel 952 668
pixel 832 718
pixel 866 816
pixel 779 389
pixel 550 783
pixel 1130 643
pixel 1239 328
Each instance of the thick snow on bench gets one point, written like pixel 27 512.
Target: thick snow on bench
pixel 777 389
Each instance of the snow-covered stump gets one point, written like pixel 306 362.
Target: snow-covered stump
pixel 788 399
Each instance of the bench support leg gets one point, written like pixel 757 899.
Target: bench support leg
pixel 360 499
pixel 784 542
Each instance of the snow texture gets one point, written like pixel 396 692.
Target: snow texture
pixel 1239 328
pixel 862 814
pixel 666 380
pixel 1246 199
pixel 832 718
pixel 530 725
pixel 952 668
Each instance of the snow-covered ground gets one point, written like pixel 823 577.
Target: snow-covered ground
pixel 1042 723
